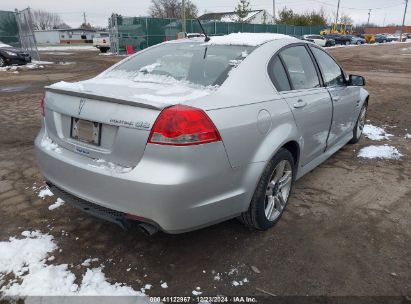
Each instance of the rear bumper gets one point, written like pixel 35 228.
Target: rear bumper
pixel 178 189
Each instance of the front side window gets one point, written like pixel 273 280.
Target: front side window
pixel 331 71
pixel 300 67
pixel 194 62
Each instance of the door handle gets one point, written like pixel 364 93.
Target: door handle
pixel 300 104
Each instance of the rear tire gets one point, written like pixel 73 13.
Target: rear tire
pixel 359 126
pixel 104 49
pixel 272 193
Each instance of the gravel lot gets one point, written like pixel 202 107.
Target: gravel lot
pixel 346 231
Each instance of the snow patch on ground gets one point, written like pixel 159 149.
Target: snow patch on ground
pixel 408 135
pixel 67 48
pixel 240 282
pixel 380 152
pixel 45 192
pixel 88 262
pixel 58 53
pixel 26 259
pixel 57 204
pixel 376 133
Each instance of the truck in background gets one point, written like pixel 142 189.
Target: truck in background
pixel 102 42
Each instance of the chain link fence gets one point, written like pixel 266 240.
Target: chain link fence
pixel 9 31
pixel 141 33
pixel 16 29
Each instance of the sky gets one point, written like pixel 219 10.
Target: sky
pixel 97 12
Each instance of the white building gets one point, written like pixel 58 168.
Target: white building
pixel 64 36
pixel 254 16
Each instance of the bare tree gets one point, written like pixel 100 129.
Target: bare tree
pixel 172 9
pixel 242 10
pixel 44 20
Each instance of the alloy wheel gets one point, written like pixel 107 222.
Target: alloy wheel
pixel 278 190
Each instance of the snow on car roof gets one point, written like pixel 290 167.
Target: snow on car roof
pixel 247 39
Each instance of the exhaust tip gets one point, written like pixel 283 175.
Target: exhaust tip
pixel 148 229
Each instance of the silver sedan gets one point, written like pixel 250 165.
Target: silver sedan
pixel 190 133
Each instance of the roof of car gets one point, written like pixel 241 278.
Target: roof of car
pixel 247 39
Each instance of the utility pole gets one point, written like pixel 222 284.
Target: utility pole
pixel 369 15
pixel 183 11
pixel 274 11
pixel 84 17
pixel 338 11
pixel 403 19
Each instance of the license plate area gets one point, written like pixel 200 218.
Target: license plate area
pixel 86 131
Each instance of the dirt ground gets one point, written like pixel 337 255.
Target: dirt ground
pixel 347 229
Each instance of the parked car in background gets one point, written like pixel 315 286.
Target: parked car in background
pixel 181 135
pixel 13 56
pixel 380 38
pixel 391 37
pixel 339 39
pixel 102 42
pixel 319 40
pixel 356 39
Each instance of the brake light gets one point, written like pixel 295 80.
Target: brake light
pixel 183 126
pixel 104 40
pixel 42 105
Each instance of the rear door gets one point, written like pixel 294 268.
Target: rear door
pixel 346 99
pixel 297 79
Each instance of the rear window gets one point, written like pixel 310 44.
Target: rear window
pixel 193 62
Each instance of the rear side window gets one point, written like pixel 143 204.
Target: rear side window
pixel 300 67
pixel 279 76
pixel 331 71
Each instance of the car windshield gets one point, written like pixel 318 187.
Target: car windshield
pixel 195 62
pixel 4 45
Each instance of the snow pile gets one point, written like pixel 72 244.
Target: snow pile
pixel 58 53
pixel 197 291
pixel 16 68
pixel 45 192
pixel 239 283
pixel 67 48
pixel 376 133
pixel 246 39
pixel 57 204
pixel 49 145
pixel 3 45
pixel 26 259
pixel 408 135
pixel 88 262
pixel 381 152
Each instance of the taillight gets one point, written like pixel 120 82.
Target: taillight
pixel 104 40
pixel 183 126
pixel 42 105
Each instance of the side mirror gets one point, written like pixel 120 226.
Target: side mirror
pixel 357 81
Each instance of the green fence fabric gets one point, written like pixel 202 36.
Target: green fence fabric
pixel 144 32
pixel 9 32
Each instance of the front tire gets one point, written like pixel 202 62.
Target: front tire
pixel 2 62
pixel 359 126
pixel 272 193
